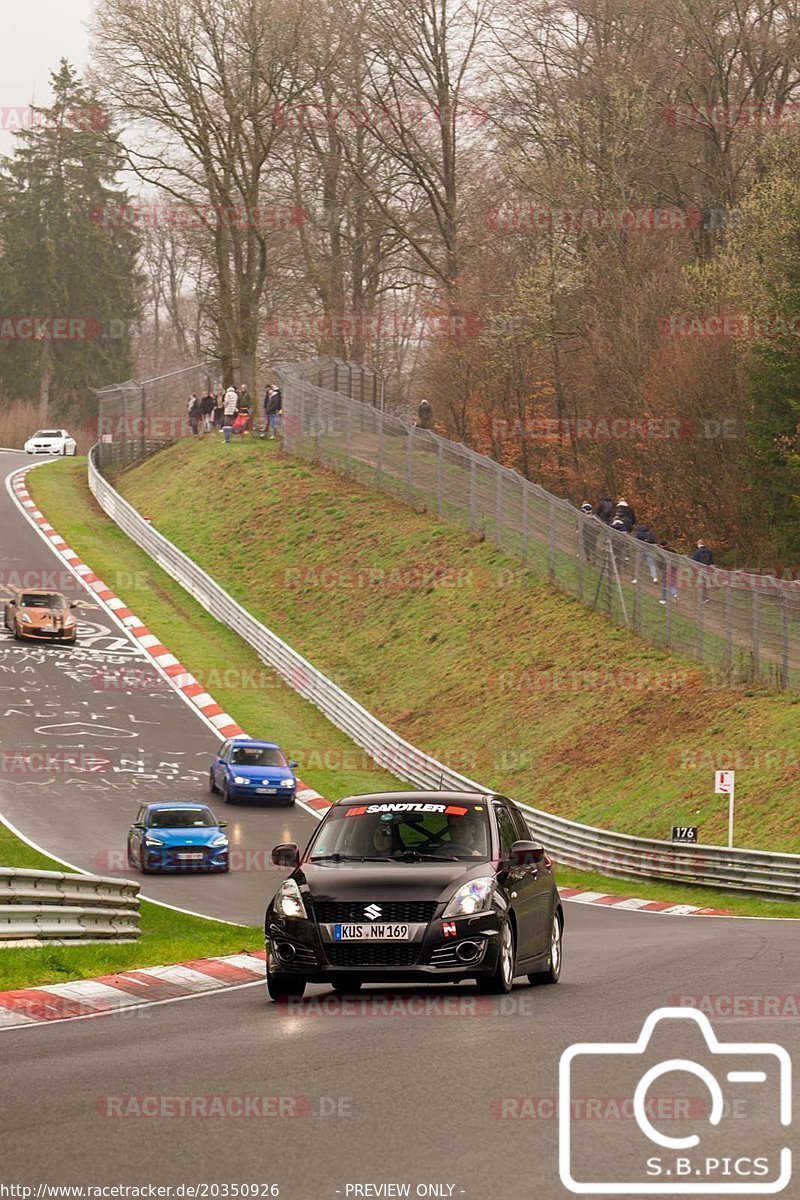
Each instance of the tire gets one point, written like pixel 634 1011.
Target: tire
pixel 499 983
pixel 552 973
pixel 280 987
pixel 5 619
pixel 345 986
pixel 212 787
pixel 289 803
pixel 226 798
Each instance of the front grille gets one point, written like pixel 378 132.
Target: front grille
pixel 372 955
pixel 412 911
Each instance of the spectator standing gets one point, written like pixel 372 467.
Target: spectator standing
pixel 272 410
pixel 644 533
pixel 424 415
pixel 704 556
pixel 193 412
pixel 245 405
pixel 207 410
pixel 230 407
pixel 590 532
pixel 669 575
pixel 218 410
pixel 626 514
pixel 605 510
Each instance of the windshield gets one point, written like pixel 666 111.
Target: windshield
pixel 42 600
pixel 404 830
pixel 257 756
pixel 48 433
pixel 181 818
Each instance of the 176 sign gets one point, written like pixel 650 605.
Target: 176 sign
pixel 684 833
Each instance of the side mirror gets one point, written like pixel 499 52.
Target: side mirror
pixel 526 854
pixel 138 824
pixel 222 824
pixel 286 854
pixel 293 765
pixel 74 604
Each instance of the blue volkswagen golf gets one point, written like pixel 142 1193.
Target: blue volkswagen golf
pixel 247 769
pixel 177 836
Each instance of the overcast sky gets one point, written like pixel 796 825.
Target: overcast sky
pixel 36 35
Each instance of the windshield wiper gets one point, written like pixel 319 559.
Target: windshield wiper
pixel 415 856
pixel 345 858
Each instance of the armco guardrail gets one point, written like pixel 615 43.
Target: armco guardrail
pixel 51 906
pixel 571 843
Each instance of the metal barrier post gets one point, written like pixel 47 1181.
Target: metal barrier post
pixel 410 464
pixel 439 478
pixel 498 506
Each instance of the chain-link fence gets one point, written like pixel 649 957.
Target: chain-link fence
pixel 138 417
pixel 743 625
pixel 355 380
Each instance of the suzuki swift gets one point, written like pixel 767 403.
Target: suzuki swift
pixel 415 886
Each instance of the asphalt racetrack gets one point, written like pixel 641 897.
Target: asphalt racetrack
pixel 438 1091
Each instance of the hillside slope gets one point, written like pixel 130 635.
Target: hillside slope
pixel 472 659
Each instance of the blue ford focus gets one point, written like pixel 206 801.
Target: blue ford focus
pixel 244 768
pixel 177 837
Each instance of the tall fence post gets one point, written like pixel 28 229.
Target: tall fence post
pixel 698 583
pixel 410 464
pixel 143 425
pixel 785 643
pixel 756 635
pixel 551 537
pixel 525 490
pixel 728 631
pixel 498 506
pixel 473 488
pixel 379 416
pixel 349 439
pixel 439 477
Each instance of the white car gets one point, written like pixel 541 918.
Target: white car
pixel 51 441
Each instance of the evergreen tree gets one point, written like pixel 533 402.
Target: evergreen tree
pixel 63 262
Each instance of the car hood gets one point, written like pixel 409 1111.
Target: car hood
pixel 387 881
pixel 201 836
pixel 39 615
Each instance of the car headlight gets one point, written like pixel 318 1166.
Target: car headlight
pixel 220 841
pixel 153 841
pixel 288 901
pixel 240 779
pixel 26 618
pixel 472 897
pixel 287 783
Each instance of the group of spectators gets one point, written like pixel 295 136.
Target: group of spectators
pixel 231 411
pixel 622 518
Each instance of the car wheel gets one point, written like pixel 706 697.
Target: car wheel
pixel 212 787
pixel 282 986
pixel 5 619
pixel 500 981
pixel 345 986
pixel 131 863
pixel 142 866
pixel 552 973
pixel 16 631
pixel 226 796
pixel 288 803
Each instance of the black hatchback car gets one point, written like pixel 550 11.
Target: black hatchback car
pixel 409 887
